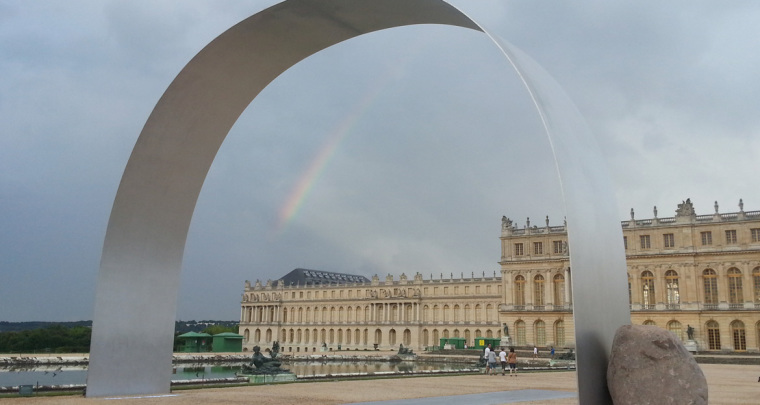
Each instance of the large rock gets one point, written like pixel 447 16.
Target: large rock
pixel 650 365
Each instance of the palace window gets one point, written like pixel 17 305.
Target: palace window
pixel 731 237
pixel 739 335
pixel 756 282
pixel 557 246
pixel 538 290
pixel 520 332
pixel 710 282
pixel 649 322
pixel 625 242
pixel 671 285
pixel 645 242
pixel 706 238
pixel 559 333
pixel 559 290
pixel 755 234
pixel 675 327
pixel 540 330
pixel 668 240
pixel 538 248
pixel 519 290
pixel 647 290
pixel 518 249
pixel 735 292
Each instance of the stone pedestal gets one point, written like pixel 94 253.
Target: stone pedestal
pixel 506 341
pixel 691 346
pixel 270 378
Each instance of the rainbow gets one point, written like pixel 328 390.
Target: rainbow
pixel 318 164
pixel 309 178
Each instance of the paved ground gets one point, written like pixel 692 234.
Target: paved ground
pixel 728 384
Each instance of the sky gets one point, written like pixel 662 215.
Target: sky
pixel 395 152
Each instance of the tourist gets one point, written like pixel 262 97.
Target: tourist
pixel 552 352
pixel 485 356
pixel 503 360
pixel 512 360
pixel 491 367
pixel 535 352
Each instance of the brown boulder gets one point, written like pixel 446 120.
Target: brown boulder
pixel 650 366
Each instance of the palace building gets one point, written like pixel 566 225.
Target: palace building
pixel 686 273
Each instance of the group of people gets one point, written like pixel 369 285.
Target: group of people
pixel 503 358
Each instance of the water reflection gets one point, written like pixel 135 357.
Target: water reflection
pixel 57 375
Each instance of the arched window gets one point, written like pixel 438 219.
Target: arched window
pixel 308 314
pixel 435 313
pixel 392 337
pixel 675 327
pixel 559 333
pixel 436 339
pixel 710 282
pixel 357 336
pixel 739 335
pixel 538 291
pixel 300 314
pixel 559 290
pixel 520 332
pixel 365 336
pixel 446 315
pixel 332 315
pixel 540 331
pixel 467 334
pixel 257 336
pixel 332 336
pixel 456 333
pixel 457 317
pixel 350 314
pixel 489 312
pixel 366 314
pixel 445 333
pixel 348 336
pixel 426 314
pixel 756 285
pixel 378 336
pixel 425 338
pixel 306 336
pixel 269 335
pixel 407 337
pixel 314 336
pixel 713 335
pixel 466 316
pixel 671 288
pixel 647 290
pixel 519 290
pixel 630 295
pixel 489 333
pixel 340 336
pixel 299 336
pixel 246 335
pixel 284 315
pixel 478 315
pixel 735 292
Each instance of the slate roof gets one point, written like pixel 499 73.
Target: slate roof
pixel 317 277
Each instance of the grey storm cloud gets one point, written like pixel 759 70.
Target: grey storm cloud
pixel 437 139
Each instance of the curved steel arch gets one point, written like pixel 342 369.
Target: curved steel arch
pixel 139 276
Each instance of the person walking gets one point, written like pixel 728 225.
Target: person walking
pixel 503 360
pixel 491 362
pixel 512 361
pixel 485 356
pixel 535 352
pixel 552 352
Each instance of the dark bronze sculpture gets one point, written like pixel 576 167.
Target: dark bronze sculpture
pixel 265 365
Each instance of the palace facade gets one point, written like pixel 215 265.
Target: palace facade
pixel 688 271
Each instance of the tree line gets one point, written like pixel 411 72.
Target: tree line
pixel 64 338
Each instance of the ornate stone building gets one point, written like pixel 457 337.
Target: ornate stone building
pixel 697 271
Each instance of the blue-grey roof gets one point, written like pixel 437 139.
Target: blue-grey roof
pixel 316 277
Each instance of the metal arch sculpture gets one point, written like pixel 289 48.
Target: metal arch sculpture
pixel 138 282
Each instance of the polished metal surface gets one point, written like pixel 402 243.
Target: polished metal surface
pixel 138 281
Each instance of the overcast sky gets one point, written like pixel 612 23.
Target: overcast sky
pixel 396 152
